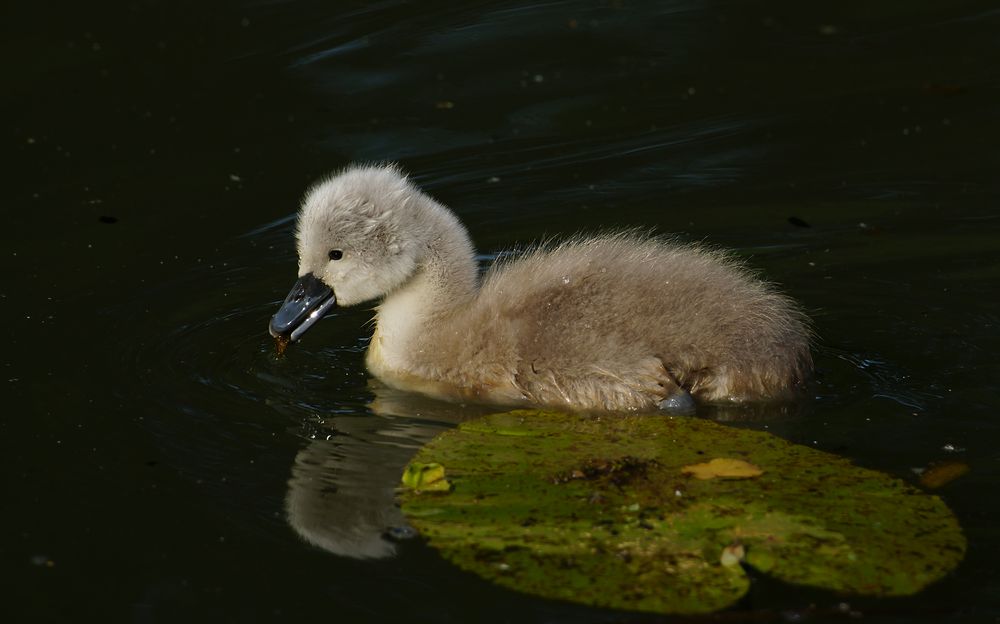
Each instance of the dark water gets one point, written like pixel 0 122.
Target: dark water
pixel 160 464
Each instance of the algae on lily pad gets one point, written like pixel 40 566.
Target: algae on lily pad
pixel 599 510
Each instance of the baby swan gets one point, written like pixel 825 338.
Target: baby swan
pixel 617 322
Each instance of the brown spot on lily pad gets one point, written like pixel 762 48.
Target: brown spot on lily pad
pixel 617 471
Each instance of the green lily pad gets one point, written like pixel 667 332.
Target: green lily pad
pixel 598 510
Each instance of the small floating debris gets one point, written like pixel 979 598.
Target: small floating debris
pixel 732 555
pixel 280 344
pixel 42 561
pixel 942 473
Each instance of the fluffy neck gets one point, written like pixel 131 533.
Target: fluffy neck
pixel 445 281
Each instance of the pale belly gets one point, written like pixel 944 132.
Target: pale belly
pixel 394 372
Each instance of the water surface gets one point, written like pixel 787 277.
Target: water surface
pixel 162 463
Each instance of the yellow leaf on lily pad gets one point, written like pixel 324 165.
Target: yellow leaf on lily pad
pixel 724 467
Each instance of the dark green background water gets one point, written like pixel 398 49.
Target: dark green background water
pixel 149 437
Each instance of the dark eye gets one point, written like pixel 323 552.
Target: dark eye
pixel 336 254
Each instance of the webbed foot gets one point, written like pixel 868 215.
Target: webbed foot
pixel 678 404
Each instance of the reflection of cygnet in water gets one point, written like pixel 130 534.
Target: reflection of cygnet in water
pixel 341 496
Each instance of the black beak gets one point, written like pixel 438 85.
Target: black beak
pixel 309 300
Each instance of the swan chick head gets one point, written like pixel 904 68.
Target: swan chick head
pixel 358 234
